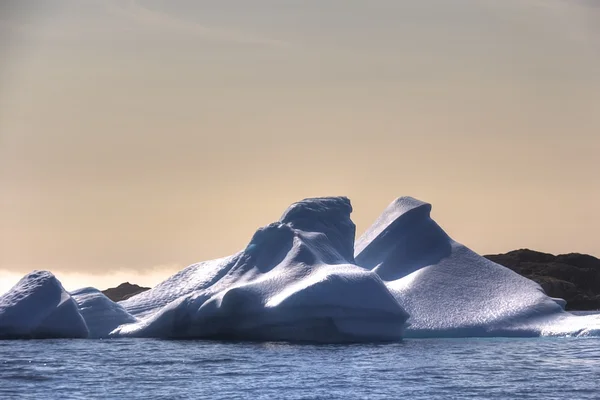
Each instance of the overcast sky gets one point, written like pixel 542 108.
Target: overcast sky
pixel 137 137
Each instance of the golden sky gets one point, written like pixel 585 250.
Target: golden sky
pixel 137 137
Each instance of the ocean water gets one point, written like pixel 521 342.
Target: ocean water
pixel 548 368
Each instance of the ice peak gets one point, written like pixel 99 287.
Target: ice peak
pixel 404 204
pixel 327 215
pixel 401 221
pixel 317 207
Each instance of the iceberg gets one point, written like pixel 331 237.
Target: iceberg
pixel 303 278
pixel 449 290
pixel 296 280
pixel 101 314
pixel 39 307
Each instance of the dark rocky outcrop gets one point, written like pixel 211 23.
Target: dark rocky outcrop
pixel 573 277
pixel 124 291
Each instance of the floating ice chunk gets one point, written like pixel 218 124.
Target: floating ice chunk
pixel 38 307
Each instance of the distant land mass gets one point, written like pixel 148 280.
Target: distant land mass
pixel 124 291
pixel 574 277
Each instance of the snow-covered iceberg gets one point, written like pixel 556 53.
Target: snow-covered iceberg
pixel 304 279
pixel 294 281
pixel 101 314
pixel 450 291
pixel 38 307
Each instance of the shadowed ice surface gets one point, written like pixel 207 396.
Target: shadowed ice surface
pixel 491 368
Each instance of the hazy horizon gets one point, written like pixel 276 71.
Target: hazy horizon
pixel 137 137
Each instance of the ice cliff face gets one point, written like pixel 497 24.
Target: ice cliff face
pixel 294 281
pixel 38 307
pixel 447 289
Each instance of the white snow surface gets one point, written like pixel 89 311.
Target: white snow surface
pixel 294 281
pixel 450 291
pixel 101 314
pixel 39 307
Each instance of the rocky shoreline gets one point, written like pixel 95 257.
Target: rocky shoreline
pixel 124 291
pixel 573 277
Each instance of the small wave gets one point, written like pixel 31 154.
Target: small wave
pixel 26 377
pixel 230 373
pixel 183 361
pixel 214 361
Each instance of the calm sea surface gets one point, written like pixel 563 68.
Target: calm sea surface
pixel 548 368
